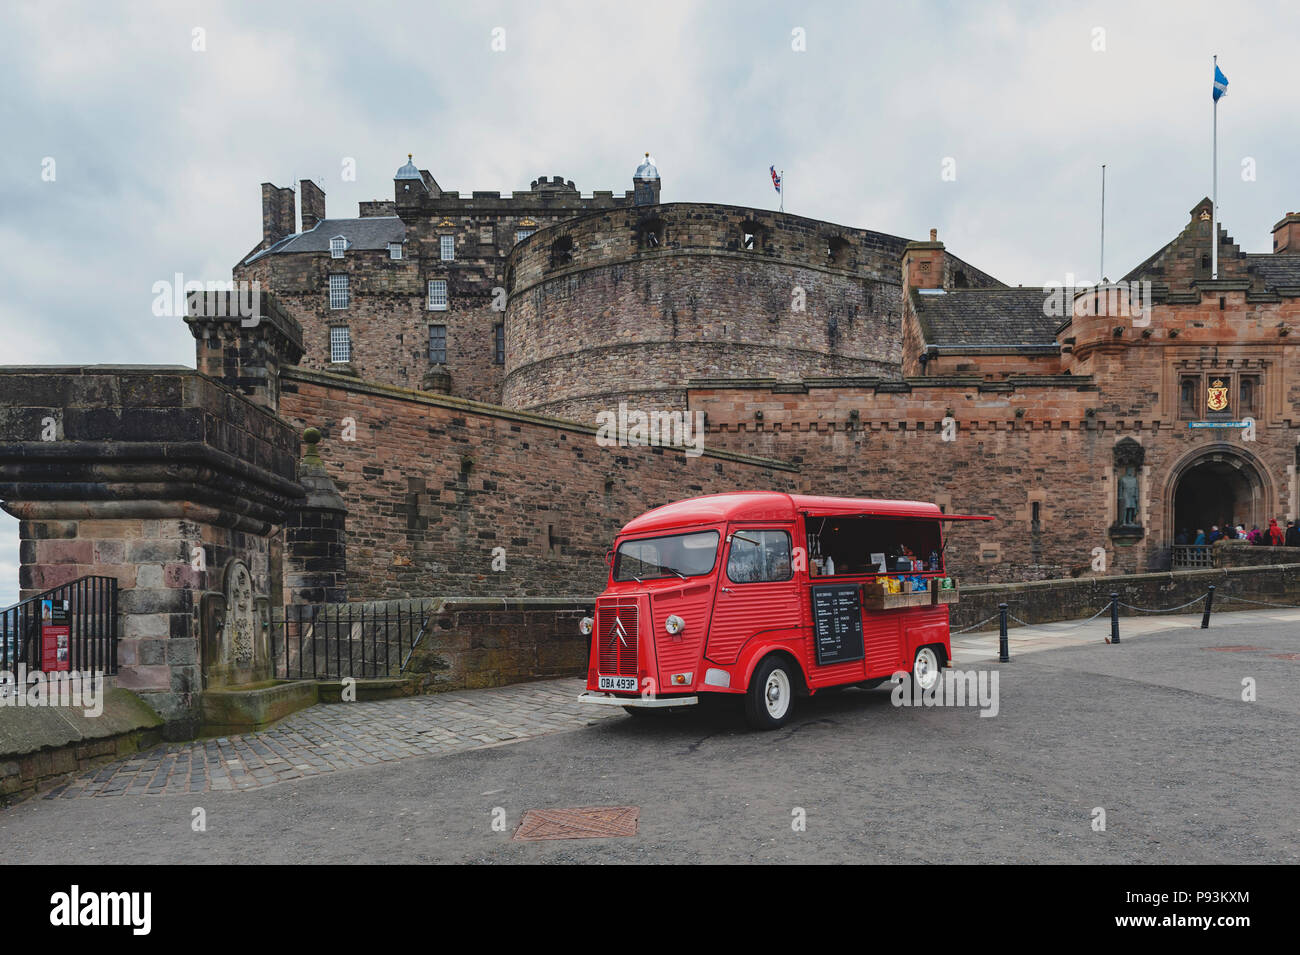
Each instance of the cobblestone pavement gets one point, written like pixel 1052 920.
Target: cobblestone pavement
pixel 330 737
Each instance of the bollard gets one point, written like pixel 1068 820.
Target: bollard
pixel 1209 602
pixel 1004 655
pixel 1114 618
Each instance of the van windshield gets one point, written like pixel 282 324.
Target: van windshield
pixel 680 555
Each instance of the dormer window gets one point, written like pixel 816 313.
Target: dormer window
pixel 394 250
pixel 337 246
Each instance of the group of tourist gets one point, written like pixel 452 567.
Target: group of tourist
pixel 1271 536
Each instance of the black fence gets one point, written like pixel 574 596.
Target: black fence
pixel 332 641
pixel 72 627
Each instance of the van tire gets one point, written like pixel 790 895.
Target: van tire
pixel 769 701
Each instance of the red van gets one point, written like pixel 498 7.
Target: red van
pixel 770 596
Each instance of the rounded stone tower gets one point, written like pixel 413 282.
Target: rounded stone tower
pixel 634 304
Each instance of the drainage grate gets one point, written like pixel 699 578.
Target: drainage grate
pixel 595 822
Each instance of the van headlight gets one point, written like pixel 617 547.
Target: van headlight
pixel 586 625
pixel 674 625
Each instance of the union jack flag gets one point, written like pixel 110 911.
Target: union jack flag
pixel 776 179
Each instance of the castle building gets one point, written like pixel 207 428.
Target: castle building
pixel 1095 423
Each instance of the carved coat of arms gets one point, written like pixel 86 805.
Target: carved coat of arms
pixel 1217 399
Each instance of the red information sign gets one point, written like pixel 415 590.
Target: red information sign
pixel 56 650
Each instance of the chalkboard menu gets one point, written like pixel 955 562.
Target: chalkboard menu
pixel 837 623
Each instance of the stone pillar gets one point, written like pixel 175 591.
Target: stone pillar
pixel 315 551
pixel 159 477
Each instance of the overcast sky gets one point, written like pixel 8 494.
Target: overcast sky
pixel 158 148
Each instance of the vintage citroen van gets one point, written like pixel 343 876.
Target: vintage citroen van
pixel 769 596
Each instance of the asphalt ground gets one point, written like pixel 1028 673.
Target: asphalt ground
pixel 1153 731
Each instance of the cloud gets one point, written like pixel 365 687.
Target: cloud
pixel 160 149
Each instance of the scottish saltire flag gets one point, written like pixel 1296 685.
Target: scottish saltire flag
pixel 776 179
pixel 1220 84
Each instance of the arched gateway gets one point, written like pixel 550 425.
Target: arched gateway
pixel 1220 484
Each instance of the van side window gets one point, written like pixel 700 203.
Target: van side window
pixel 759 557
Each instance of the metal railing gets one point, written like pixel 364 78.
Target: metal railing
pixel 1186 556
pixel 332 641
pixel 87 607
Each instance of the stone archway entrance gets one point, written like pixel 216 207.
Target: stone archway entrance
pixel 1218 486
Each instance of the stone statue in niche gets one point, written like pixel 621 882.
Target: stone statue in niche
pixel 1129 457
pixel 1128 497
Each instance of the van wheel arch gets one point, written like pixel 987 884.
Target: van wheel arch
pixel 796 671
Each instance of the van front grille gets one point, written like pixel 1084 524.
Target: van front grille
pixel 616 631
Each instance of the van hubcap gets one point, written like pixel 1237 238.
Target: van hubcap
pixel 777 694
pixel 926 669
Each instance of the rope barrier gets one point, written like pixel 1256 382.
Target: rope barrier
pixel 1024 624
pixel 1167 610
pixel 974 626
pixel 1106 607
pixel 1259 603
pixel 1071 626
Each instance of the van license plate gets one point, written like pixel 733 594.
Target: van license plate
pixel 626 684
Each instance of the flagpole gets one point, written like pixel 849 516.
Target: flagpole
pixel 1101 271
pixel 1214 193
pixel 782 190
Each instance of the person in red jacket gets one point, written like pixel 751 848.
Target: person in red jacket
pixel 1275 535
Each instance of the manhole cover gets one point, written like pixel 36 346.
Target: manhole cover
pixel 1236 649
pixel 596 822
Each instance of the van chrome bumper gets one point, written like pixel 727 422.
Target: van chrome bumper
pixel 602 699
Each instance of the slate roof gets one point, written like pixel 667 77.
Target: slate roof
pixel 368 233
pixel 985 317
pixel 1275 269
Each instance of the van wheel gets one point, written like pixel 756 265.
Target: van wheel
pixel 925 669
pixel 770 698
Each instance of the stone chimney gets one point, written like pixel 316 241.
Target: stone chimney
pixel 313 204
pixel 923 263
pixel 277 214
pixel 1286 234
